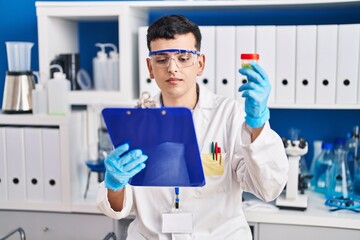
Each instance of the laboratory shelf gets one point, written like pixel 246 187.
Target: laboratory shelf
pixel 58 33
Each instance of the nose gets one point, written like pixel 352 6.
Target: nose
pixel 172 66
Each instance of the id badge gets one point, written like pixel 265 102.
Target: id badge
pixel 177 222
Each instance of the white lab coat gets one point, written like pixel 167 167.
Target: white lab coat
pixel 260 168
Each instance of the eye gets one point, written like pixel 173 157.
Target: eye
pixel 161 59
pixel 184 57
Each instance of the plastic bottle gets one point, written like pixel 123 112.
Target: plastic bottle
pixel 338 180
pixel 58 93
pixel 113 68
pixel 100 68
pixel 321 164
pixel 247 58
pixel 39 96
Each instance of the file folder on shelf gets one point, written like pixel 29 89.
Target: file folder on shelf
pixel 326 64
pixel 167 136
pixel 305 64
pixel 207 79
pixel 3 177
pixel 52 164
pixel 285 64
pixel 265 46
pixel 146 83
pixel 14 142
pixel 348 63
pixel 34 164
pixel 225 61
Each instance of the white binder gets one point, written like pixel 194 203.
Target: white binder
pixel 3 177
pixel 326 56
pixel 305 64
pixel 285 64
pixel 207 79
pixel 34 164
pixel 146 83
pixel 52 164
pixel 14 142
pixel 266 46
pixel 225 61
pixel 245 43
pixel 348 64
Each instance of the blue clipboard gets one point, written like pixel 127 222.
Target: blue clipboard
pixel 167 136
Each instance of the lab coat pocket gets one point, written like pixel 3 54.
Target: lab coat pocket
pixel 217 176
pixel 211 166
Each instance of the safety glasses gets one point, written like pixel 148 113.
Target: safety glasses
pixel 183 58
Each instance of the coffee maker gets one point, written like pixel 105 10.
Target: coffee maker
pixel 19 80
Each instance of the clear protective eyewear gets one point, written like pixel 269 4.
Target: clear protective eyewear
pixel 182 57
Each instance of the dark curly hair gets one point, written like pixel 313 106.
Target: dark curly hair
pixel 167 27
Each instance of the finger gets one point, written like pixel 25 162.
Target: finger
pixel 128 157
pixel 137 169
pixel 117 152
pixel 251 75
pixel 133 164
pixel 249 86
pixel 259 70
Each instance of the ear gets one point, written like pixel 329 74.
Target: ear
pixel 148 63
pixel 201 64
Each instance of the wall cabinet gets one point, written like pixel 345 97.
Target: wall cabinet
pixel 58 33
pixel 42 163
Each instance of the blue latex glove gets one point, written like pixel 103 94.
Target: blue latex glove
pixel 256 93
pixel 122 165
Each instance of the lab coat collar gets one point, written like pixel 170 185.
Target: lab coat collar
pixel 206 99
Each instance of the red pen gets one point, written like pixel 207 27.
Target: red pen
pixel 216 151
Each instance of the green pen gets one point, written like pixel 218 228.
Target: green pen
pixel 213 150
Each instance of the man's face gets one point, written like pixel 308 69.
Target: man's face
pixel 174 78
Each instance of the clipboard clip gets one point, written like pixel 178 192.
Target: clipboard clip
pixel 145 101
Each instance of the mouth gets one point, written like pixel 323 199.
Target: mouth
pixel 174 80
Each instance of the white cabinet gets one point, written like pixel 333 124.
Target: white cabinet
pixel 294 232
pixel 58 33
pixel 50 154
pixel 47 225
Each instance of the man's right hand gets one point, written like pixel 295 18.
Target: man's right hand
pixel 121 165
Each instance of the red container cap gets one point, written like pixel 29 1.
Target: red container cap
pixel 250 56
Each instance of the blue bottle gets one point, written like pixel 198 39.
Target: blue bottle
pixel 321 166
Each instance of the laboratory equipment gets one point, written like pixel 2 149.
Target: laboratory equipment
pixel 320 166
pixel 19 80
pixel 58 90
pixel 353 147
pixel 106 69
pixel 39 96
pixel 338 180
pixel 341 203
pixel 70 63
pixel 292 199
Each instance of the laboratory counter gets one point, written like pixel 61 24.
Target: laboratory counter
pixel 316 214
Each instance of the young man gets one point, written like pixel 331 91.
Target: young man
pixel 254 159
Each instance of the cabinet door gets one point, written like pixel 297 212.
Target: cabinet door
pixel 44 225
pixel 295 232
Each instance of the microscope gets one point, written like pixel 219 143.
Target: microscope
pixel 292 199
